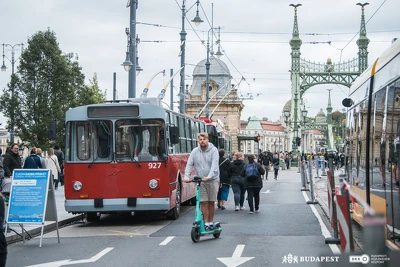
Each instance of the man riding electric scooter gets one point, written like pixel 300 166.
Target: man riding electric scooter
pixel 205 160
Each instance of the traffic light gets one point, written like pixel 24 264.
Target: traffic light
pixel 52 131
pixel 298 141
pixel 257 138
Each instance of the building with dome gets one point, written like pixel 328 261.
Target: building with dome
pixel 221 93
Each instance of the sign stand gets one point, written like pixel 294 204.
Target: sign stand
pixel 32 200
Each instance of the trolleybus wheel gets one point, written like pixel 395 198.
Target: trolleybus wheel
pixel 195 234
pixel 92 216
pixel 175 212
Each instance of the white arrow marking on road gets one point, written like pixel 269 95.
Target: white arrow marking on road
pixel 51 264
pixel 236 258
pixel 266 192
pixel 69 262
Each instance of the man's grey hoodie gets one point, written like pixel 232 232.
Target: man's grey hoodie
pixel 206 163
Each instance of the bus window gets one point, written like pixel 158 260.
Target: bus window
pixel 182 134
pixel 139 140
pixel 83 141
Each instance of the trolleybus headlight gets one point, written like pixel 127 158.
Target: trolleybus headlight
pixel 77 186
pixel 153 183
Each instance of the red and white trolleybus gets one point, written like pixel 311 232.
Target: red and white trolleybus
pixel 129 156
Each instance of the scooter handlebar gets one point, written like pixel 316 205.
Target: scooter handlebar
pixel 196 179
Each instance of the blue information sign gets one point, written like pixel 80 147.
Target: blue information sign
pixel 28 196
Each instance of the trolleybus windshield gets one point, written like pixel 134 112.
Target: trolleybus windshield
pixel 139 140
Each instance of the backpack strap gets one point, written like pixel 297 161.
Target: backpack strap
pixel 34 161
pixel 222 162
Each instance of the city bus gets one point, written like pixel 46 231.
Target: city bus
pixel 128 156
pixel 372 139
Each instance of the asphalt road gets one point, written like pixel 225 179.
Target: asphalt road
pixel 286 225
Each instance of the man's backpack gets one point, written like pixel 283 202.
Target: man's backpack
pixel 252 171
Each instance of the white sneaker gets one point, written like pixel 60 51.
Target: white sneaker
pixel 242 208
pixel 251 212
pixel 258 210
pixel 237 208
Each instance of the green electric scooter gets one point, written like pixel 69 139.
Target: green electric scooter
pixel 198 228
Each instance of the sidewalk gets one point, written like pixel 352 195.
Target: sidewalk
pixel 35 229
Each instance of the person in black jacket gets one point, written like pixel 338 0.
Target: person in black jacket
pixel 12 160
pixel 275 162
pixel 224 180
pixel 3 242
pixel 235 173
pixel 253 185
pixel 33 160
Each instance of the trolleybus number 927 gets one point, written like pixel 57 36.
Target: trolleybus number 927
pixel 154 165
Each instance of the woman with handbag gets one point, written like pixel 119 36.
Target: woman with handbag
pixel 52 164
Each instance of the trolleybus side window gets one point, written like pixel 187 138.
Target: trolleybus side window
pixel 182 134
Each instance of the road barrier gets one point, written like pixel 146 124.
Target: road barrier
pixel 303 175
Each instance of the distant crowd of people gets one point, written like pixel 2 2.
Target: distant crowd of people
pixel 11 160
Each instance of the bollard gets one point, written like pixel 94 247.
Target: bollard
pixel 332 209
pixel 323 166
pixel 313 201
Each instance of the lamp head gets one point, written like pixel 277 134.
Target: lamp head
pixel 127 63
pixel 197 20
pixel 219 53
pixel 3 67
pixel 286 113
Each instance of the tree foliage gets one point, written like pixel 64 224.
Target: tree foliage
pixel 47 84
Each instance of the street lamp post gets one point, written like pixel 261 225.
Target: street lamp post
pixel 4 68
pixel 208 64
pixel 197 20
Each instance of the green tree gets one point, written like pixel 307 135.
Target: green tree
pixel 45 88
pixel 90 94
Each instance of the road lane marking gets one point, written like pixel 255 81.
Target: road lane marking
pixel 266 192
pixel 167 240
pixel 124 232
pixel 324 229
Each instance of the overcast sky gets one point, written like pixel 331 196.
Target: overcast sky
pixel 255 38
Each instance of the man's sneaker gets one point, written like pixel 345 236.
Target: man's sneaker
pixel 237 208
pixel 251 212
pixel 242 208
pixel 257 210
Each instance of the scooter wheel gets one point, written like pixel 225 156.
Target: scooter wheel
pixel 217 235
pixel 195 234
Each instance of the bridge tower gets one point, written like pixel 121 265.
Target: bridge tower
pixel 306 73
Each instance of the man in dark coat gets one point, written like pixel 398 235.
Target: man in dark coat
pixel 12 160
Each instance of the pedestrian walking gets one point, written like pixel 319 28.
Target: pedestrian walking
pixel 32 161
pixel 266 160
pixel 42 159
pixel 11 161
pixel 204 159
pixel 235 172
pixel 253 183
pixel 275 163
pixel 224 180
pixel 52 164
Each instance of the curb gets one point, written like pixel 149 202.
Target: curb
pixel 13 238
